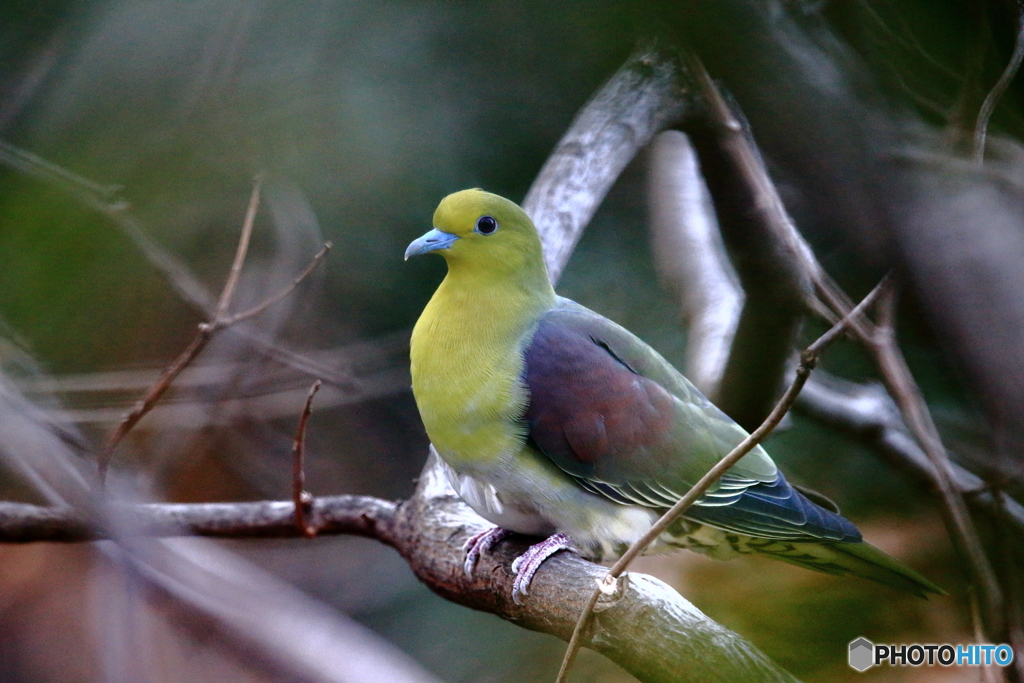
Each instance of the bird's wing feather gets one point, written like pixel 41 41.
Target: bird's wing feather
pixel 610 411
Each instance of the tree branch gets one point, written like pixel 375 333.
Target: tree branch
pixel 691 260
pixel 774 264
pixel 994 95
pixel 643 98
pixel 649 630
pixel 867 413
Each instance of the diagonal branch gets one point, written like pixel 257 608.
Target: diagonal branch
pixel 643 98
pixel 907 394
pixel 774 265
pixel 205 332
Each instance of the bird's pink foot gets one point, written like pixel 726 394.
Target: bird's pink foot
pixel 481 543
pixel 527 564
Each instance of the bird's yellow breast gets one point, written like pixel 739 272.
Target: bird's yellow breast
pixel 467 368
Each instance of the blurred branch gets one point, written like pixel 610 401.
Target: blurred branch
pixel 996 93
pixel 691 260
pixel 106 199
pixel 212 593
pixel 429 531
pixel 867 413
pixel 374 368
pixel 643 98
pixel 918 418
pixel 206 331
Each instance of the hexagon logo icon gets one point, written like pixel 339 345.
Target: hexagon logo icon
pixel 862 654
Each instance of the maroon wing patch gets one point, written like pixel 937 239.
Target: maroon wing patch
pixel 586 405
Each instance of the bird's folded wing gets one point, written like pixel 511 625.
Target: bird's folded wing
pixel 610 411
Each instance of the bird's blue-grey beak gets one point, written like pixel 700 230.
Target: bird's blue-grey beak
pixel 432 241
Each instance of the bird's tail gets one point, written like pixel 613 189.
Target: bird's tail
pixel 859 559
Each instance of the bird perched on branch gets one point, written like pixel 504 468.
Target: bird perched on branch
pixel 553 421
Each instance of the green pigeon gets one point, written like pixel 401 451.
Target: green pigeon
pixel 553 421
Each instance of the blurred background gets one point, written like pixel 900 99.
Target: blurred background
pixel 131 132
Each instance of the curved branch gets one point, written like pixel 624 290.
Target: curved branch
pixel 643 98
pixel 691 260
pixel 997 91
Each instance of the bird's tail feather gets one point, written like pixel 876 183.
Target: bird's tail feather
pixel 859 559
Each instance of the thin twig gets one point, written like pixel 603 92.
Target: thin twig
pixel 205 331
pixel 259 308
pixel 881 341
pixel 992 99
pixel 808 360
pixel 203 335
pixel 152 395
pixel 300 497
pixel 240 253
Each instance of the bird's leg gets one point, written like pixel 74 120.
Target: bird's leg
pixel 481 543
pixel 527 564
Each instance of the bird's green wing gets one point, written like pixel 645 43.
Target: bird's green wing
pixel 609 410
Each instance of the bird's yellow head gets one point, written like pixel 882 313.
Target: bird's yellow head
pixel 479 230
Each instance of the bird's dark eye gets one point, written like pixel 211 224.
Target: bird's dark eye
pixel 485 225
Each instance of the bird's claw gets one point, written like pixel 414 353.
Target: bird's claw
pixel 479 544
pixel 527 564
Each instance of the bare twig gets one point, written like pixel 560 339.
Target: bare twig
pixel 300 498
pixel 774 265
pixel 355 515
pixel 244 239
pixel 259 308
pixel 146 403
pixel 204 333
pixel 992 99
pixel 896 375
pixel 808 360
